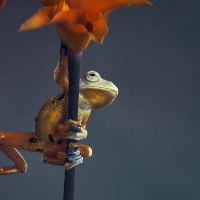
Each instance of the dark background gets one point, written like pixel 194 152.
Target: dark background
pixel 146 145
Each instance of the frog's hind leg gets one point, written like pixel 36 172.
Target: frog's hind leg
pixel 15 156
pixel 85 150
pixel 60 157
pixel 8 142
pixel 52 159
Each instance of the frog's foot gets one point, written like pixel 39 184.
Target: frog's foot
pixel 73 156
pixel 72 130
pixel 70 165
pixel 15 156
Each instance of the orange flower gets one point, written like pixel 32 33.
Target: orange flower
pixel 77 21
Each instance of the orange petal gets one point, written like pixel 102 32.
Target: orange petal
pixel 100 30
pixel 75 36
pixel 2 3
pixel 134 2
pixel 59 4
pixel 74 3
pixel 62 5
pixel 101 6
pixel 49 2
pixel 40 19
pixel 63 16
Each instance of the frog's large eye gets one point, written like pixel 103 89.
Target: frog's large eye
pixel 92 76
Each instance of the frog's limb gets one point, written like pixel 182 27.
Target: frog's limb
pixel 15 156
pixel 8 141
pixel 85 150
pixel 60 159
pixel 53 159
pixel 75 155
pixel 61 70
pixel 72 130
pixel 73 163
pixel 24 141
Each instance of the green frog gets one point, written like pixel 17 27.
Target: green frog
pixel 52 129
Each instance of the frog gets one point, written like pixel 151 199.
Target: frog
pixel 52 128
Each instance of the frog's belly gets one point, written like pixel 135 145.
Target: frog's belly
pixel 50 116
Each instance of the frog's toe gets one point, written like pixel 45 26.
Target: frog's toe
pixel 71 122
pixel 73 145
pixel 72 130
pixel 75 132
pixel 70 165
pixel 74 158
pixel 75 128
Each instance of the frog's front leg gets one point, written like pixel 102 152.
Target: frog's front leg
pixel 72 130
pixel 74 155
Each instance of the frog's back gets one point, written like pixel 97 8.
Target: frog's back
pixel 50 116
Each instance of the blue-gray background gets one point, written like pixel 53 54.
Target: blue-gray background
pixel 146 145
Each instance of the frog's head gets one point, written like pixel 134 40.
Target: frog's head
pixel 96 91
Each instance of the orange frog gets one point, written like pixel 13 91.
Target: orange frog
pixel 51 131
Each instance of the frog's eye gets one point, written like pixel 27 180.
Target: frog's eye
pixel 92 76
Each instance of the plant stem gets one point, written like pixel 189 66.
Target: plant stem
pixel 74 65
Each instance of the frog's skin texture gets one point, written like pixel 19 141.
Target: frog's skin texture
pixel 51 130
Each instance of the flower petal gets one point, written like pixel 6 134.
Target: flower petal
pixel 100 30
pixel 74 35
pixel 2 3
pixel 101 6
pixel 49 2
pixel 57 4
pixel 63 16
pixel 40 19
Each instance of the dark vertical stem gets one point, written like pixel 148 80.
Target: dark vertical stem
pixel 74 64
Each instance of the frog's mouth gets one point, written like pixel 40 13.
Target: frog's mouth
pixel 98 97
pixel 109 87
pixel 113 90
